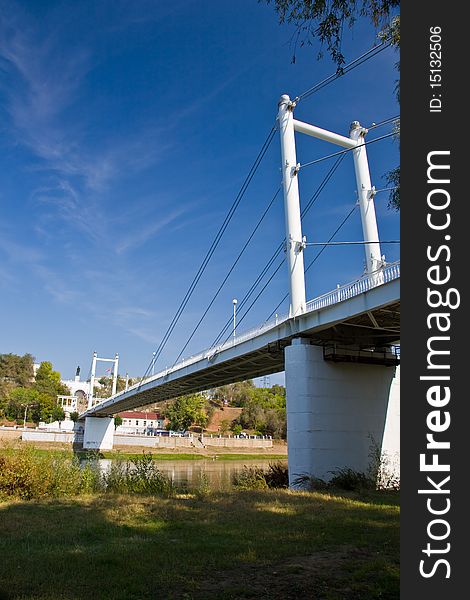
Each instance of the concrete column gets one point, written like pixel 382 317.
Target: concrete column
pixel 366 200
pixel 391 440
pixel 333 410
pixel 294 238
pixel 115 374
pixel 99 433
pixel 92 380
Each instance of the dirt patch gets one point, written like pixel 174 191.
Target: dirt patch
pixel 223 414
pixel 10 434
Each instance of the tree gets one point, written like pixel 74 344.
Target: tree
pixel 236 428
pixel 74 416
pixel 236 394
pixel 327 21
pixel 106 389
pixel 58 414
pixel 278 390
pixel 39 406
pixel 18 400
pixel 117 421
pixel 48 381
pixel 265 411
pixel 224 426
pixel 17 370
pixel 186 411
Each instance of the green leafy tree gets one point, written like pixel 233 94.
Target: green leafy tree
pixel 236 428
pixel 16 370
pixel 265 412
pixel 186 411
pixel 326 22
pixel 224 426
pixel 74 416
pixel 117 421
pixel 106 389
pixel 277 389
pixel 236 394
pixel 58 414
pixel 18 400
pixel 39 405
pixel 48 381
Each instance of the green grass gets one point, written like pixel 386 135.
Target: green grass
pixel 269 544
pixel 156 455
pixel 43 452
pixel 178 456
pixel 251 456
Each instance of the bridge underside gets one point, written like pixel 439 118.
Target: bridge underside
pixel 375 327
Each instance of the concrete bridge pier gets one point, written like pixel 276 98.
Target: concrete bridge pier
pixel 98 434
pixel 333 411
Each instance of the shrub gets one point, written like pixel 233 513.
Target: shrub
pixel 351 480
pixel 309 482
pixel 203 487
pixel 27 474
pixel 256 478
pixel 237 429
pixel 140 476
pixel 250 478
pixel 277 475
pixel 116 478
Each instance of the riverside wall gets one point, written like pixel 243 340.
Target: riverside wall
pixel 146 441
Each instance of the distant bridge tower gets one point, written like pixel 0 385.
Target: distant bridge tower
pixel 96 359
pixel 99 430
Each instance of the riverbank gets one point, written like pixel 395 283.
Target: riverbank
pixel 272 544
pixel 208 444
pixel 278 449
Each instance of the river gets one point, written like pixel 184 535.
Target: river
pixel 188 472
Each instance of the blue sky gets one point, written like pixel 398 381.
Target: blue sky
pixel 126 131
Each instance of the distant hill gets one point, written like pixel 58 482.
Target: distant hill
pixel 221 414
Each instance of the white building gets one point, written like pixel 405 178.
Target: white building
pixel 79 390
pixel 77 402
pixel 140 423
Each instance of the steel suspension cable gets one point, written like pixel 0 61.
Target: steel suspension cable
pixel 371 53
pixel 326 157
pixel 278 250
pixel 255 229
pixel 312 262
pixel 212 249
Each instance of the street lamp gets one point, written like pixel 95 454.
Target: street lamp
pixel 234 301
pixel 25 414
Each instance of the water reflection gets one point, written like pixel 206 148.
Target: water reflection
pixel 188 472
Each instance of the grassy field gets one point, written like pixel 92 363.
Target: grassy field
pixel 270 544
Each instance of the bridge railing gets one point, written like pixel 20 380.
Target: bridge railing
pixel 363 284
pixel 344 292
pixel 349 290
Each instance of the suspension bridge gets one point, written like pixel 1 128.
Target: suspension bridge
pixel 338 351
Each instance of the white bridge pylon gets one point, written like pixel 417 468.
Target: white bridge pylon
pixel 95 359
pixel 290 168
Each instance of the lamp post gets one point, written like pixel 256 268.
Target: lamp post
pixel 25 414
pixel 234 301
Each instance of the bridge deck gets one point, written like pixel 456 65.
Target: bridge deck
pixel 363 314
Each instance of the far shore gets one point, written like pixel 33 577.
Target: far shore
pixel 277 451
